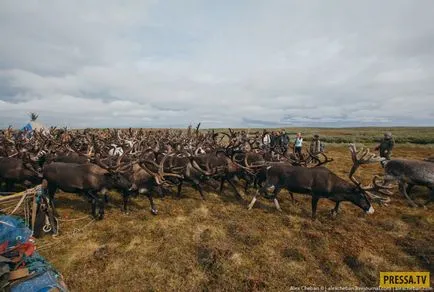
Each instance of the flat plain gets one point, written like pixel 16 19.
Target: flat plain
pixel 219 245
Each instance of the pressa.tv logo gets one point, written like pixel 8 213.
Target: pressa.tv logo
pixel 415 280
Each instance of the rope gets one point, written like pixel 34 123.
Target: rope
pixel 27 212
pixel 22 195
pixel 45 246
pixel 76 230
pixel 4 209
pixel 19 203
pixel 6 223
pixel 74 219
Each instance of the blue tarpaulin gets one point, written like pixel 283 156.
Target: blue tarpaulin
pixel 13 230
pixel 43 275
pixel 27 128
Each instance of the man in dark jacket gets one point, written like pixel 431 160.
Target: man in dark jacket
pixel 316 146
pixel 274 140
pixel 284 141
pixel 386 146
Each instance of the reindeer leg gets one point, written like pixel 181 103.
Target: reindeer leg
pixel 402 189
pixel 252 203
pixel 252 181
pixel 409 188
pixel 125 197
pixel 178 194
pixel 256 182
pixel 276 202
pixel 292 197
pixel 51 191
pixel 101 202
pixel 335 210
pixel 430 199
pixel 199 188
pixel 258 192
pixel 93 203
pixel 154 211
pixel 246 186
pixel 160 191
pixel 9 185
pixel 222 184
pixel 96 202
pixel 314 205
pixel 235 189
pixel 271 188
pixel 93 210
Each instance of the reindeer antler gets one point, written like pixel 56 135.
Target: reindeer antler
pixel 161 169
pixel 318 160
pixel 381 189
pixel 364 157
pixel 376 187
pixel 359 158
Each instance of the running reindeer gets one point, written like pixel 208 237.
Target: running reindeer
pixel 320 182
pixel 409 173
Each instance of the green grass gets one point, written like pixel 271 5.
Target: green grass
pixel 416 135
pixel 402 135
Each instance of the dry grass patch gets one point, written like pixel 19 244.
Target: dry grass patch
pixel 219 245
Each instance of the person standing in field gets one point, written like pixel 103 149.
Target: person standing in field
pixel 284 141
pixel 266 140
pixel 298 144
pixel 274 140
pixel 316 146
pixel 386 146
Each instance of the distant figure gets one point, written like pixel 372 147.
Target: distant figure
pixel 274 140
pixel 244 138
pixel 386 146
pixel 266 139
pixel 284 141
pixel 298 144
pixel 316 146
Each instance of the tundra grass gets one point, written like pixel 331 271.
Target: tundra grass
pixel 419 135
pixel 219 245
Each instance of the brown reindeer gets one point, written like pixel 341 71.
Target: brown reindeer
pixel 409 173
pixel 320 182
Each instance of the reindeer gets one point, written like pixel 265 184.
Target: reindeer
pixel 17 166
pixel 148 176
pixel 15 170
pixel 409 173
pixel 88 179
pixel 320 182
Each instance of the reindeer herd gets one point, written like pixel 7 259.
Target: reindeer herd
pixel 93 162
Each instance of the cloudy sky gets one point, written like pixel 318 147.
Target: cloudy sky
pixel 242 63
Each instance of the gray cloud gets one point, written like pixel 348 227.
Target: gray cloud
pixel 249 63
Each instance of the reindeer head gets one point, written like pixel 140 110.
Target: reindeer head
pixel 364 157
